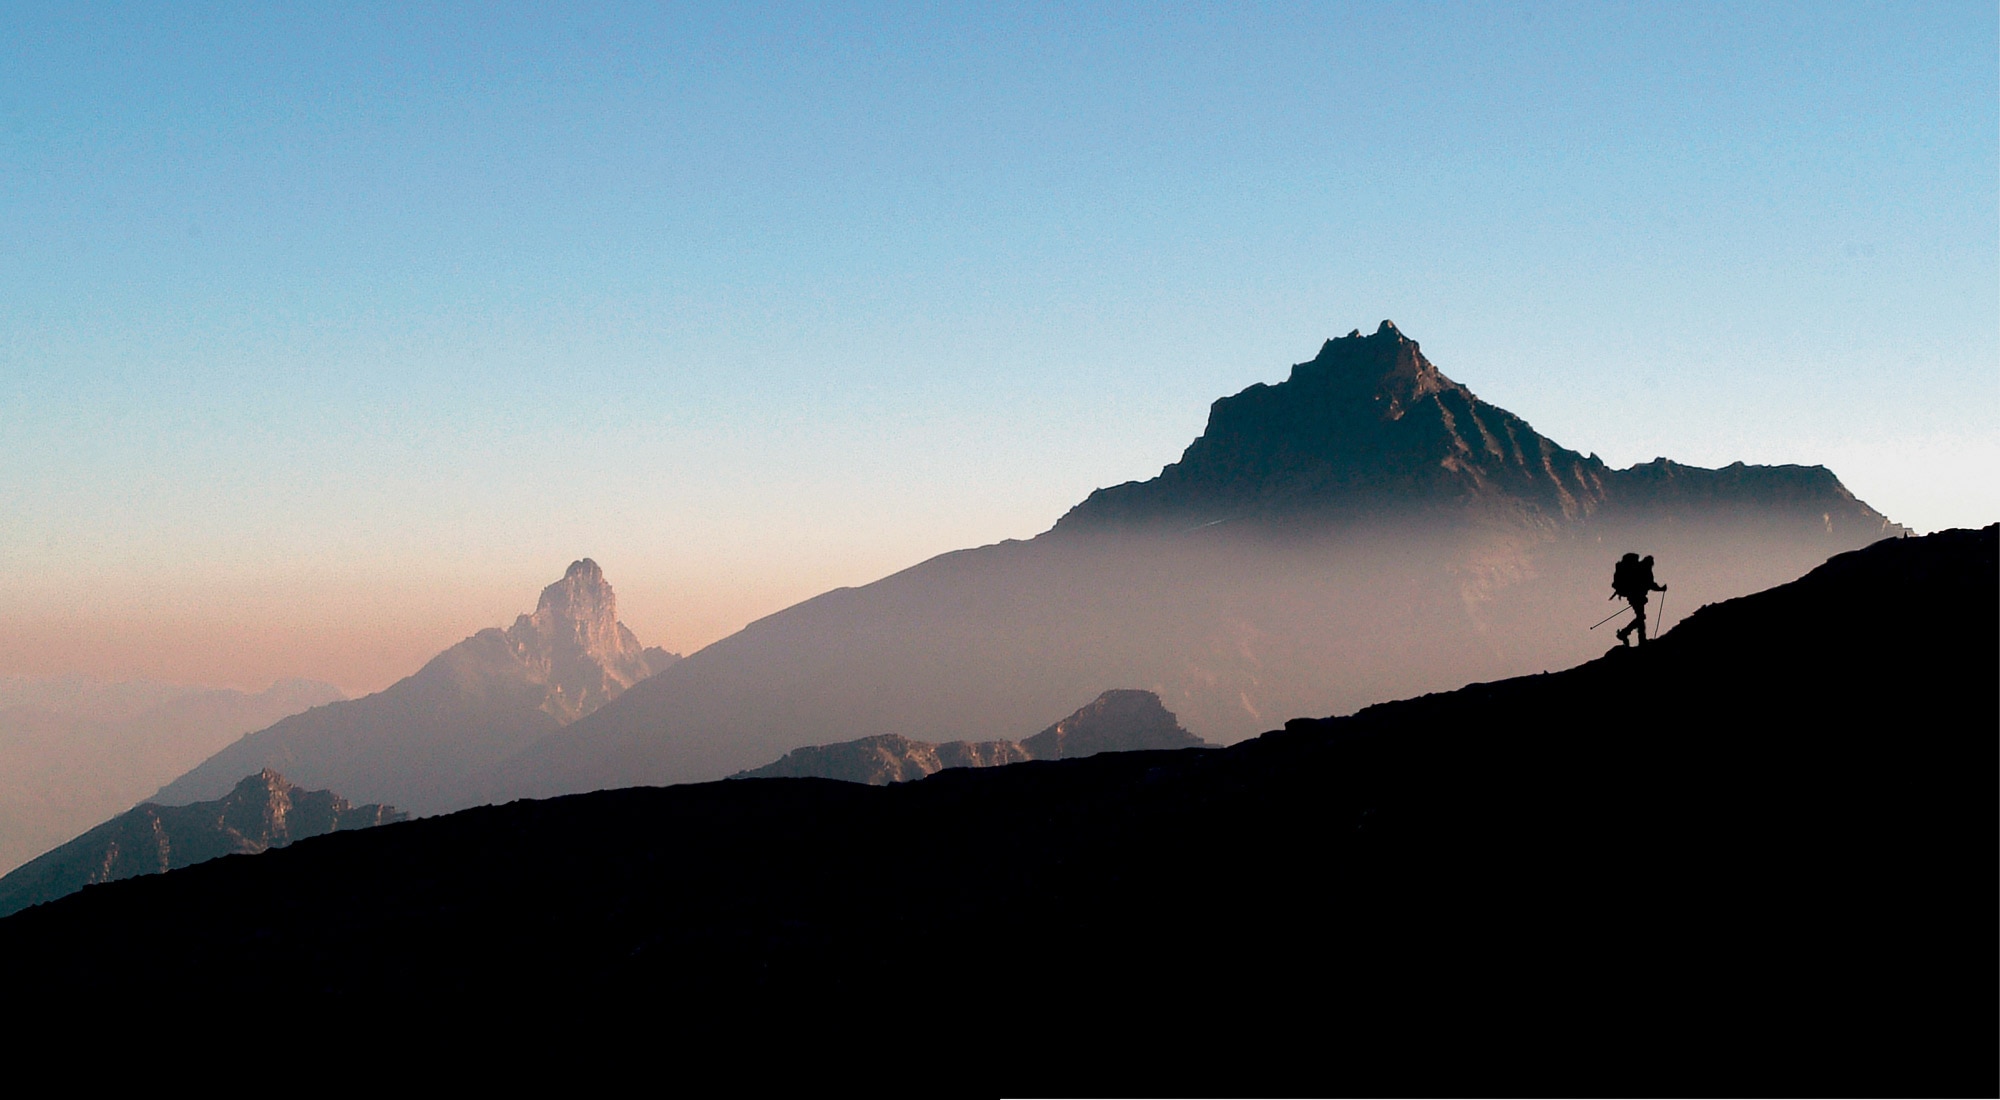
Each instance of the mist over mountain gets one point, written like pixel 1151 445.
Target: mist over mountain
pixel 74 751
pixel 1364 530
pixel 1758 849
pixel 86 698
pixel 422 742
pixel 1116 721
pixel 261 812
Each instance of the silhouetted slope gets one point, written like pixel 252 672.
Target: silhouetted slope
pixel 1119 720
pixel 263 811
pixel 1367 529
pixel 425 741
pixel 1756 855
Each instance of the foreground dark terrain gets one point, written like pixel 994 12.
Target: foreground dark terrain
pixel 1757 855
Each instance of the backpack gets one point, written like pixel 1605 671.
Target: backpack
pixel 1626 579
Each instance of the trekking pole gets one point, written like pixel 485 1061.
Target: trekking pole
pixel 1617 613
pixel 1660 620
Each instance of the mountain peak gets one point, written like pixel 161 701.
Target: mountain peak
pixel 582 595
pixel 576 644
pixel 1369 427
pixel 1120 720
pixel 1367 424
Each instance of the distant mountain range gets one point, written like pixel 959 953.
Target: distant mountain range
pixel 425 742
pixel 1364 530
pixel 1758 850
pixel 1116 721
pixel 261 812
pixel 74 751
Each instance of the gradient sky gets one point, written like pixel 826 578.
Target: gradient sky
pixel 327 338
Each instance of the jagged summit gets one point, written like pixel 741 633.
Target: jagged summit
pixel 1369 426
pixel 423 742
pixel 575 643
pixel 580 611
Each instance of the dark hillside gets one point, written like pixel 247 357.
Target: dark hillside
pixel 1755 856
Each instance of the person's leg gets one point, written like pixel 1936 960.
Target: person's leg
pixel 1639 623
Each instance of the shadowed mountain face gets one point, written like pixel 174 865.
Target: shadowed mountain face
pixel 423 742
pixel 1368 426
pixel 1116 721
pixel 1371 428
pixel 1758 849
pixel 263 811
pixel 1365 530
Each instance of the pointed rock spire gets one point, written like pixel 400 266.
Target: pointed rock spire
pixel 575 643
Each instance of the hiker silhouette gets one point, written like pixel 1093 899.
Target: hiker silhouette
pixel 1633 580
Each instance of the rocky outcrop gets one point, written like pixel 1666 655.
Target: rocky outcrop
pixel 426 741
pixel 575 645
pixel 263 811
pixel 1116 721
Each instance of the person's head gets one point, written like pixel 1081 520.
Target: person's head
pixel 1648 560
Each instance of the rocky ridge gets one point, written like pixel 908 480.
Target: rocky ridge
pixel 1116 721
pixel 86 751
pixel 263 811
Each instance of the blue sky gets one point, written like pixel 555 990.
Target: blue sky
pixel 327 337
